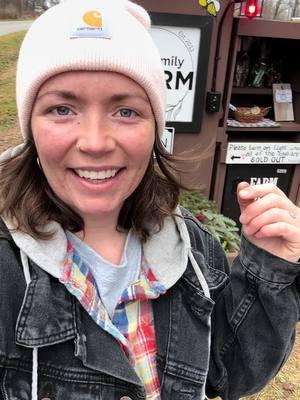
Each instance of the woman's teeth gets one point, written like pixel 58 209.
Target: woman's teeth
pixel 96 175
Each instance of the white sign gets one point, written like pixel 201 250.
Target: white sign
pixel 283 96
pixel 262 180
pixel 167 139
pixel 178 47
pixel 263 153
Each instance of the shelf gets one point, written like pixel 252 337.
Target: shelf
pixel 284 127
pixel 252 90
pixel 265 28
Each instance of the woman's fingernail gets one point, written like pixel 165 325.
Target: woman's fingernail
pixel 244 192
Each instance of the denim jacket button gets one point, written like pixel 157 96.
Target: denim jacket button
pixel 125 398
pixel 45 398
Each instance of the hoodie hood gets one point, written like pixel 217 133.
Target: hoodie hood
pixel 168 262
pixel 47 254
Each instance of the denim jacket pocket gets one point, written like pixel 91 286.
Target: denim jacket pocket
pixel 183 382
pixel 57 383
pixel 16 385
pixel 216 278
pixel 186 391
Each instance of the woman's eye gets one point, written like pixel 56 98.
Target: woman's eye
pixel 127 113
pixel 62 110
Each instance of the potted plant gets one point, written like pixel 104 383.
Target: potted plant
pixel 222 227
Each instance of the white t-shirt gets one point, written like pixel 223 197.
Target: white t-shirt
pixel 111 279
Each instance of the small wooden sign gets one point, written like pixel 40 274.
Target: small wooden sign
pixel 283 102
pixel 167 139
pixel 263 153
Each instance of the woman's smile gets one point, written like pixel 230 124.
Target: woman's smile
pixel 96 175
pixel 97 180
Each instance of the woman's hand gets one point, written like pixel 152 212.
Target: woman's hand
pixel 270 220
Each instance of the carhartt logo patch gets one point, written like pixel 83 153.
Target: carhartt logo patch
pixel 93 18
pixel 90 24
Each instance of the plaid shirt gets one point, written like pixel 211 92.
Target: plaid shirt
pixel 132 324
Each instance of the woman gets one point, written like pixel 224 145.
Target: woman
pixel 108 289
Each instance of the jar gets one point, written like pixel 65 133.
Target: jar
pixel 284 11
pixel 269 9
pixel 297 10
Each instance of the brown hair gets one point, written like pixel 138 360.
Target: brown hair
pixel 27 198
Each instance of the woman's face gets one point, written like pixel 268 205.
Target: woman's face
pixel 94 133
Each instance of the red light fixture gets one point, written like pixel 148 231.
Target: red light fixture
pixel 251 8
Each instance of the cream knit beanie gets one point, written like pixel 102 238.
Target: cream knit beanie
pixel 90 35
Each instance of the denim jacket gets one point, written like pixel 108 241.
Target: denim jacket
pixel 230 344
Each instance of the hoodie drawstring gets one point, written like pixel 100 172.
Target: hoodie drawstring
pixel 199 274
pixel 205 289
pixel 34 385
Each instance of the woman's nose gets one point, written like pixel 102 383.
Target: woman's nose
pixel 96 135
